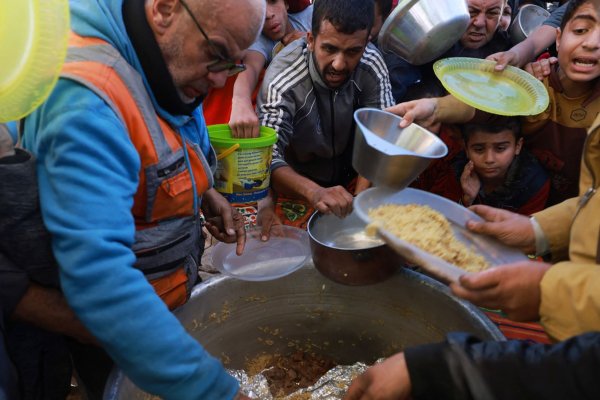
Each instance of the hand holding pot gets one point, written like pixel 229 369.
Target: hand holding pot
pixel 334 200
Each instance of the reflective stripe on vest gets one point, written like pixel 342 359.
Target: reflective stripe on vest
pixel 168 232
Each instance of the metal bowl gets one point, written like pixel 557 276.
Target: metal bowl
pixel 238 320
pixel 419 31
pixel 527 20
pixel 388 155
pixel 342 251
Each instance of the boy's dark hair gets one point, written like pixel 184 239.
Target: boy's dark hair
pixel 347 16
pixel 385 7
pixel 570 10
pixel 500 124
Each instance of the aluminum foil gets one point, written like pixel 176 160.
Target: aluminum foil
pixel 331 386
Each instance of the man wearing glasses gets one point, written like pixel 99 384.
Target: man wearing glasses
pixel 124 169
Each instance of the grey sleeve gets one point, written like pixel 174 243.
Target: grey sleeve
pixel 276 102
pixel 264 46
pixel 14 167
pixel 378 92
pixel 556 17
pixel 275 110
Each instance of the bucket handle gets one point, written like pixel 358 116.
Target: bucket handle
pixel 228 151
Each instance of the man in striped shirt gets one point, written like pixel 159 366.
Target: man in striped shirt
pixel 309 94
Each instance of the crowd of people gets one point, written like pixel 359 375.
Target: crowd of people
pixel 107 197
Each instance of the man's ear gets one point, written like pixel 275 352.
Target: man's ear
pixel 162 14
pixel 310 40
pixel 518 146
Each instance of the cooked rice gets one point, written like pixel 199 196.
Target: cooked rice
pixel 429 230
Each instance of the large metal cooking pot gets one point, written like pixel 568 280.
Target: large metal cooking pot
pixel 527 20
pixel 342 251
pixel 388 155
pixel 238 320
pixel 419 31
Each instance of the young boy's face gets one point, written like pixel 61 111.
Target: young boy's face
pixel 276 19
pixel 492 153
pixel 578 45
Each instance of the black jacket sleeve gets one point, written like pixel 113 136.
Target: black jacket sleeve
pixel 8 373
pixel 13 284
pixel 465 368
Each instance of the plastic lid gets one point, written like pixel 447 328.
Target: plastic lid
pixel 33 46
pixel 286 251
pixel 220 135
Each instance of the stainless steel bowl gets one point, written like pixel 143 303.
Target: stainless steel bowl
pixel 342 251
pixel 388 155
pixel 526 21
pixel 237 320
pixel 419 31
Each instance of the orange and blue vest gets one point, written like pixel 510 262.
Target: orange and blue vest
pixel 168 239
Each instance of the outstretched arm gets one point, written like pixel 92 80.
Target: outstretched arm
pixel 428 112
pixel 525 51
pixel 465 367
pixel 48 309
pixel 244 120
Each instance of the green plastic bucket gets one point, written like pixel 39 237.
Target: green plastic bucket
pixel 244 165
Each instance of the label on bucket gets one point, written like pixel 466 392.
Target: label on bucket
pixel 243 176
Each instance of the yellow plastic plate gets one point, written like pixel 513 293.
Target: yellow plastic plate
pixel 474 82
pixel 33 46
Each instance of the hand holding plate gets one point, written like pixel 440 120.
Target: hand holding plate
pixel 510 228
pixel 513 288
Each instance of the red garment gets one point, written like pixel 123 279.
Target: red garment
pixel 532 331
pixel 298 5
pixel 439 178
pixel 216 107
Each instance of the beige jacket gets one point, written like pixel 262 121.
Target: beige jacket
pixel 571 288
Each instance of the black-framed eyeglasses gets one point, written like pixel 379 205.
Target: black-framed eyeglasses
pixel 222 63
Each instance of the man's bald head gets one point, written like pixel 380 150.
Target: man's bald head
pixel 202 40
pixel 245 18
